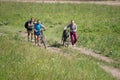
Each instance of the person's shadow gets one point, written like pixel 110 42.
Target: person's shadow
pixel 56 44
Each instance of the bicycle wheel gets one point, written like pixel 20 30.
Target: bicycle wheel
pixel 44 41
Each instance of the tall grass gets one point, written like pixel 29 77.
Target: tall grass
pixel 98 25
pixel 20 60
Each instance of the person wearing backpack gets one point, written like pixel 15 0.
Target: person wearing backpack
pixel 73 34
pixel 29 25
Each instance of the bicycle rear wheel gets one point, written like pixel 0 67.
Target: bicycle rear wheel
pixel 44 41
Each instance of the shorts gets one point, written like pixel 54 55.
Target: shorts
pixel 37 33
pixel 30 31
pixel 30 28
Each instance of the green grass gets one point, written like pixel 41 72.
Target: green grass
pixel 98 29
pixel 96 23
pixel 20 60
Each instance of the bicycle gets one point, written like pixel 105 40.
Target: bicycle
pixel 65 38
pixel 43 39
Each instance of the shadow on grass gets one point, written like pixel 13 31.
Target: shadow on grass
pixel 56 44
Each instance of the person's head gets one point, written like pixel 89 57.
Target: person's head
pixel 32 19
pixel 38 21
pixel 72 22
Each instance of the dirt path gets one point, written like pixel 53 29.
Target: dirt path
pixel 114 3
pixel 110 70
pixel 113 71
pixel 82 50
pixel 95 55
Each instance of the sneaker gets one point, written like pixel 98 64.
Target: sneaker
pixel 35 44
pixel 74 45
pixel 32 40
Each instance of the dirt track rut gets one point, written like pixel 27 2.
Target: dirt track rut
pixel 114 3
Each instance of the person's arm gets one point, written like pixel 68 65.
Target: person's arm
pixel 29 24
pixel 75 28
pixel 65 28
pixel 43 27
pixel 35 28
pixel 32 24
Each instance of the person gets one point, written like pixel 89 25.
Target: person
pixel 73 34
pixel 30 29
pixel 37 31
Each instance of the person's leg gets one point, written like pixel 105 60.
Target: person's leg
pixel 75 37
pixel 38 39
pixel 35 36
pixel 72 38
pixel 28 34
pixel 32 34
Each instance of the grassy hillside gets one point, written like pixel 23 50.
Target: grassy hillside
pixel 98 25
pixel 20 60
pixel 98 29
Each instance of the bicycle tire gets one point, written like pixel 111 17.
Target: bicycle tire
pixel 44 41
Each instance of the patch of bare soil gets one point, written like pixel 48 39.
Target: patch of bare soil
pixel 95 55
pixel 23 34
pixel 113 71
pixel 54 49
pixel 114 3
pixel 2 34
